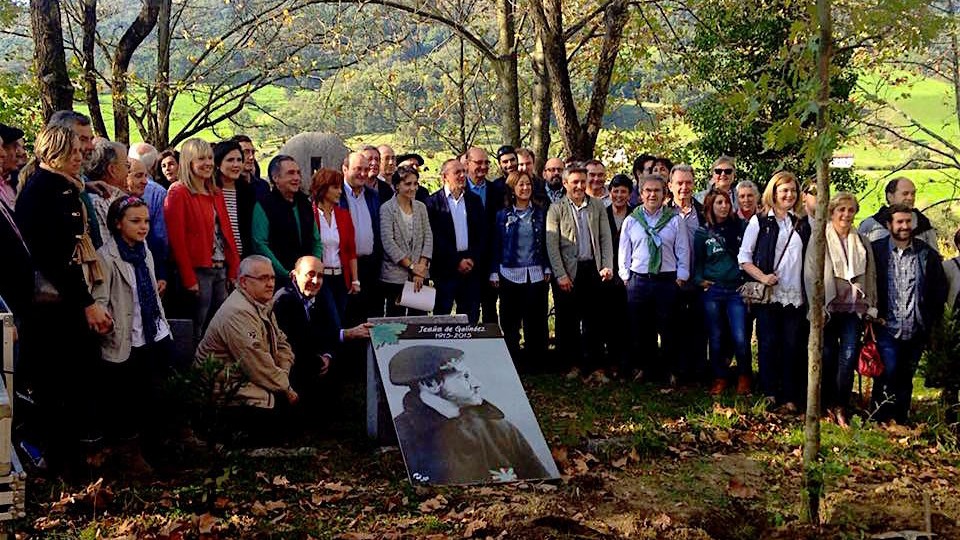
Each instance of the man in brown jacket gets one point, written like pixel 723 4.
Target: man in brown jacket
pixel 244 333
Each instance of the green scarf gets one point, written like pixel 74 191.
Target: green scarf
pixel 654 242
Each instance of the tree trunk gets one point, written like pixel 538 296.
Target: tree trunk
pixel 50 63
pixel 549 18
pixel 954 58
pixel 614 19
pixel 812 468
pixel 540 115
pixel 506 68
pixel 90 92
pixel 160 136
pixel 579 140
pixel 131 39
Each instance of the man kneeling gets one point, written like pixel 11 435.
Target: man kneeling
pixel 244 333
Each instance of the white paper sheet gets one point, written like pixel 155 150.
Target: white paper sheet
pixel 422 300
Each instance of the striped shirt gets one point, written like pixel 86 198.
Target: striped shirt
pixel 230 197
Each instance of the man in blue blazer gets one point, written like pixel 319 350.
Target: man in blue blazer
pixel 460 244
pixel 364 206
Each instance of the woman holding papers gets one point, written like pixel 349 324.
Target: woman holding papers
pixel 407 240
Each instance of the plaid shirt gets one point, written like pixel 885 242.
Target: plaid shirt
pixel 903 279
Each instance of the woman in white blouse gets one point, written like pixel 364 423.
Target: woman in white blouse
pixel 337 236
pixel 772 253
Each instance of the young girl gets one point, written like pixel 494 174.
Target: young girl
pixel 140 340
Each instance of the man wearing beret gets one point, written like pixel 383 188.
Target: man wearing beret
pixel 448 432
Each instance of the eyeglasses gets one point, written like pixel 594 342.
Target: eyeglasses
pixel 718 171
pixel 265 278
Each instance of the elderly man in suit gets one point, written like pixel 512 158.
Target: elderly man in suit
pixel 459 243
pixel 581 255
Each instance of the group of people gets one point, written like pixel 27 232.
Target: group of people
pixel 648 277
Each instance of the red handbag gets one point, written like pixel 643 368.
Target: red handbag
pixel 870 364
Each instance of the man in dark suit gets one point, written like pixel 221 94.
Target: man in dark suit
pixel 363 203
pixel 460 244
pixel 491 195
pixel 306 313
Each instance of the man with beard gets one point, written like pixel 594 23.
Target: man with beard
pixel 911 293
pixel 899 191
pixel 553 178
pixel 450 434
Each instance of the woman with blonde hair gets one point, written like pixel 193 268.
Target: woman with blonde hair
pixel 772 254
pixel 850 294
pixel 60 348
pixel 200 233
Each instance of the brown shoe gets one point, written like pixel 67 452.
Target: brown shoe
pixel 719 385
pixel 743 385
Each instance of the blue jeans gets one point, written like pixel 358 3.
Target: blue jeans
pixel 725 311
pixel 652 305
pixel 782 358
pixel 893 390
pixel 841 349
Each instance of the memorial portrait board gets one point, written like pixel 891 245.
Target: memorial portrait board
pixel 459 409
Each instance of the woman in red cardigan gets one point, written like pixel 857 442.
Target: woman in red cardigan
pixel 201 237
pixel 336 232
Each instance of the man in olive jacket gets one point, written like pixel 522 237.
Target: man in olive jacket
pixel 580 249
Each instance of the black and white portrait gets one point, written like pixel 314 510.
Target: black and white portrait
pixel 459 409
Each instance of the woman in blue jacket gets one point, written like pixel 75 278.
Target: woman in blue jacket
pixel 521 270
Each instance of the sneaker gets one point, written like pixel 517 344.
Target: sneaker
pixel 743 385
pixel 574 373
pixel 719 385
pixel 598 377
pixel 841 417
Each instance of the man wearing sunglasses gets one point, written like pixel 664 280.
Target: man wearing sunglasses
pixel 724 176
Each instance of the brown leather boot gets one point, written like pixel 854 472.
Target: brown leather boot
pixel 743 385
pixel 719 385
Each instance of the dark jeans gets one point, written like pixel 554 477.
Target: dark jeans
pixel 579 320
pixel 841 349
pixel 782 354
pixel 464 290
pixel 392 292
pixel 129 390
pixel 651 302
pixel 726 316
pixel 524 305
pixel 488 302
pixel 893 390
pixel 212 293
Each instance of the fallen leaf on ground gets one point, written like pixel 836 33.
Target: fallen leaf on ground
pixel 205 523
pixel 432 505
pixel 737 489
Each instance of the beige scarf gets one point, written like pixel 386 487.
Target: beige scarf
pixel 850 262
pixel 85 254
